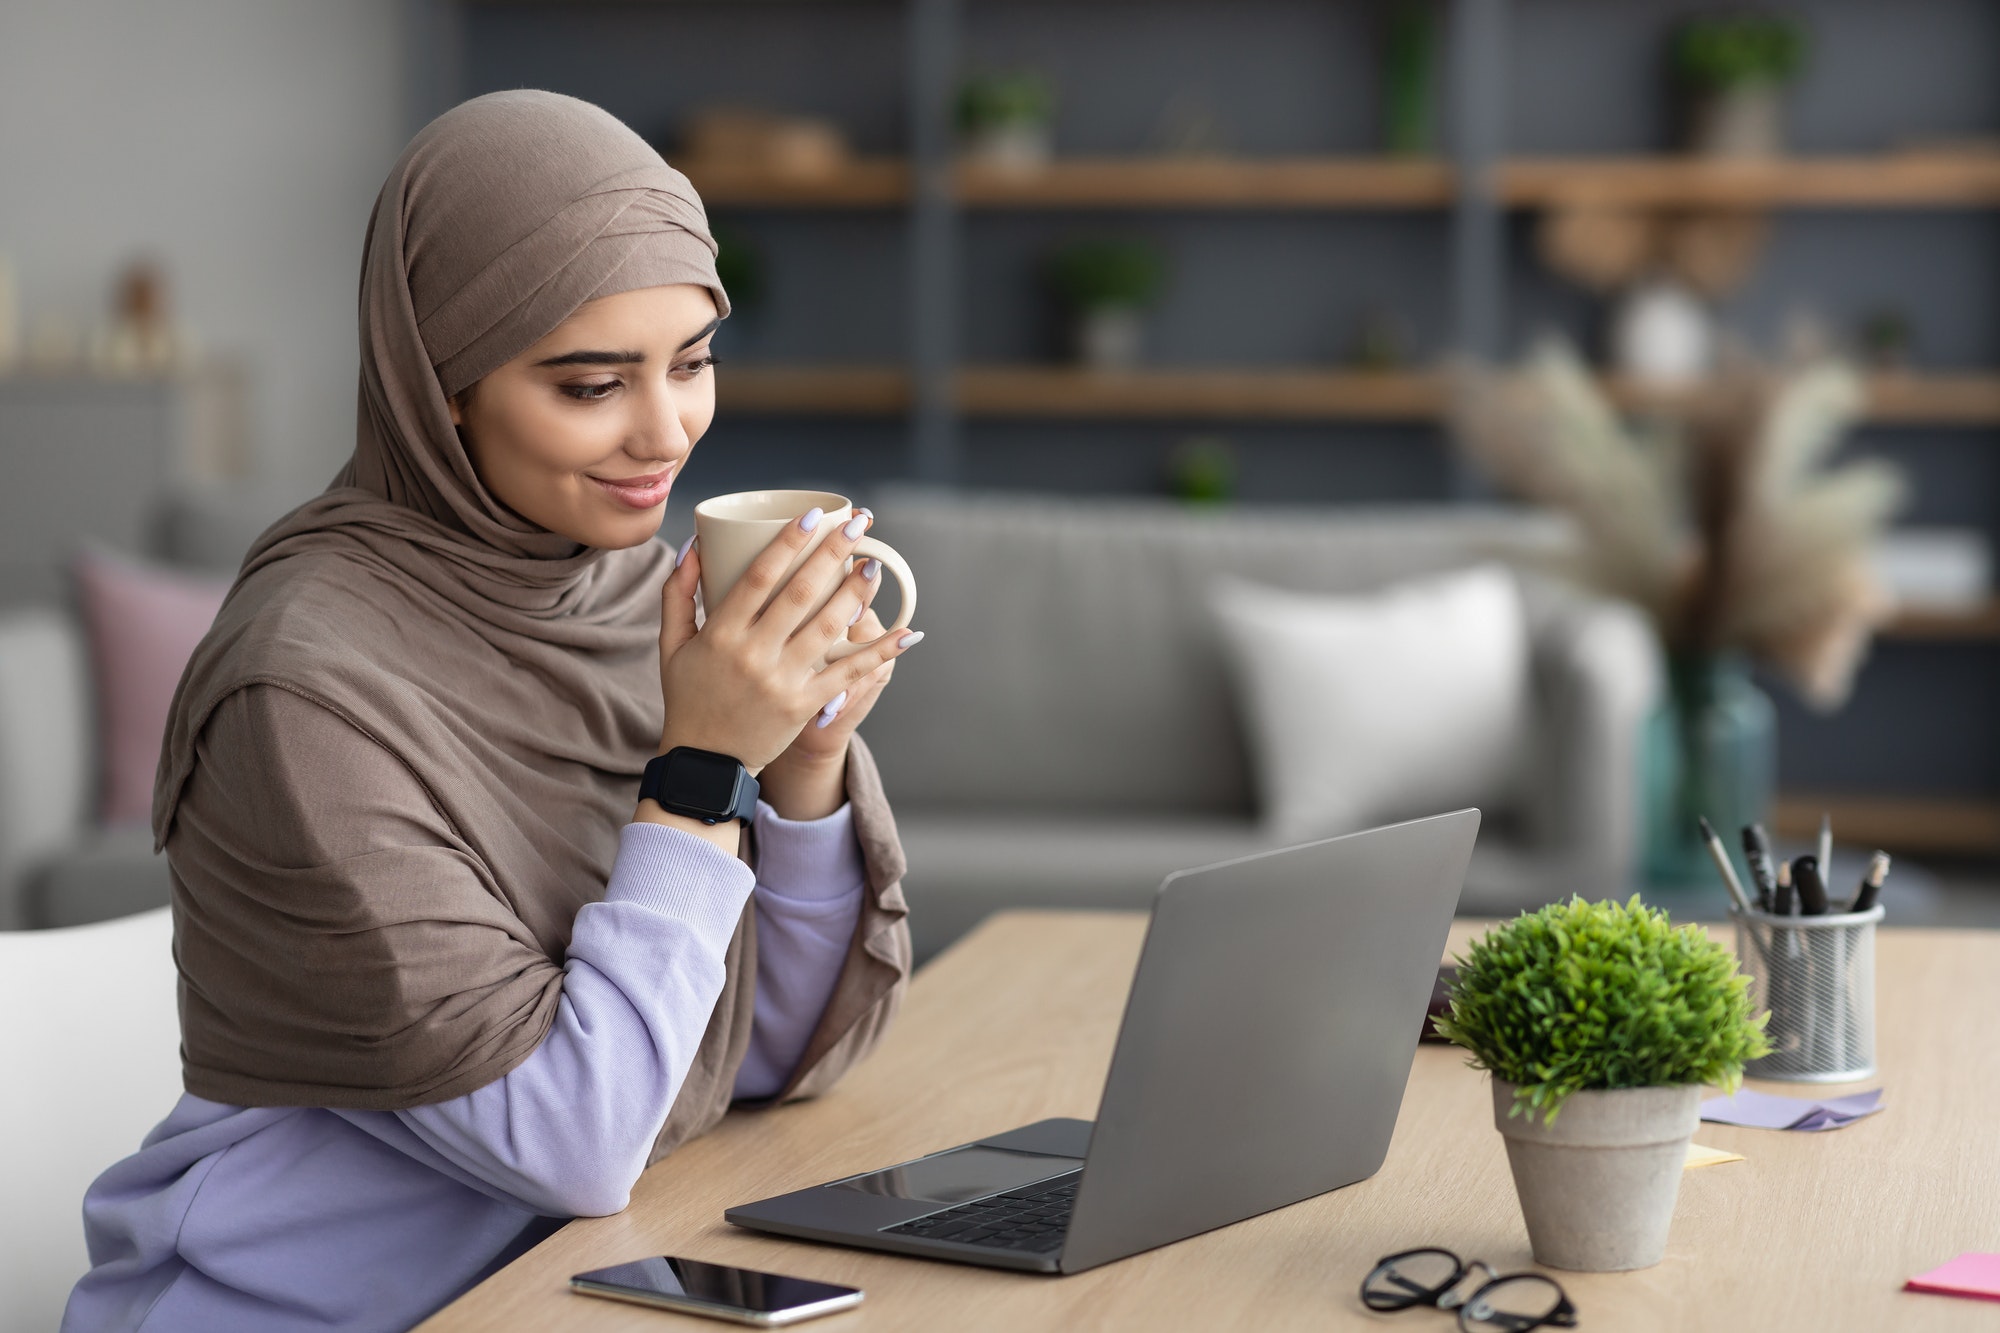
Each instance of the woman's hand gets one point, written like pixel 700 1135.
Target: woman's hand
pixel 745 684
pixel 809 780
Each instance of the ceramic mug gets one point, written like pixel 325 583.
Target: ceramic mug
pixel 733 530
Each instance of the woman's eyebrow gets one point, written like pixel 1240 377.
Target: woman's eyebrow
pixel 706 329
pixel 594 359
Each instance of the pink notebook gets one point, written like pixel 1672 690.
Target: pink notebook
pixel 1967 1275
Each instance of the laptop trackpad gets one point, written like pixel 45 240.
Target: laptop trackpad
pixel 961 1174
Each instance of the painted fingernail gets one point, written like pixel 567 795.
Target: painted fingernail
pixel 810 519
pixel 824 718
pixel 868 514
pixel 871 570
pixel 855 527
pixel 686 546
pixel 911 640
pixel 855 619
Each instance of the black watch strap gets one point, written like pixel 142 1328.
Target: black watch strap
pixel 700 784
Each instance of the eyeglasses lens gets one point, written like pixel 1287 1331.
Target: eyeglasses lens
pixel 1511 1305
pixel 1411 1279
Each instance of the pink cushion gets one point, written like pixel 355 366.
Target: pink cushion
pixel 144 622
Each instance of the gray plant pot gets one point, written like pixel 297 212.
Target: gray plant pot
pixel 1597 1188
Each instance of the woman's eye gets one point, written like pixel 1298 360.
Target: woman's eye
pixel 590 393
pixel 690 369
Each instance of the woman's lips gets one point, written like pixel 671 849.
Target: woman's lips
pixel 639 492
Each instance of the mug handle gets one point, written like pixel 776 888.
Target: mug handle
pixel 868 548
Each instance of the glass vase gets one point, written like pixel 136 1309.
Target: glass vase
pixel 1711 750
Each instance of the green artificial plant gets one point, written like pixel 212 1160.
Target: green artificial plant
pixel 997 101
pixel 1596 996
pixel 1108 272
pixel 1722 51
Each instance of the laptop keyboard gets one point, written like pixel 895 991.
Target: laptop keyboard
pixel 1034 1218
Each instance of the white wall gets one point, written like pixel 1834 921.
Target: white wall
pixel 239 141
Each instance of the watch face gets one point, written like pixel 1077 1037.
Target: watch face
pixel 701 779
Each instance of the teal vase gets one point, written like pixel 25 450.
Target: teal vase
pixel 1711 750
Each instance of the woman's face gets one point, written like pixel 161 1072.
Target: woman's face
pixel 585 432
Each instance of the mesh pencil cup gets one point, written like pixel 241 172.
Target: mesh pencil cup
pixel 1816 974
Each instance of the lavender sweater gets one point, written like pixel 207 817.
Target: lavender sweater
pixel 282 1218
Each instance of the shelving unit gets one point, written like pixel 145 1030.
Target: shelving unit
pixel 1469 205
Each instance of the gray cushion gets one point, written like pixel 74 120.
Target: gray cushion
pixel 1072 662
pixel 111 873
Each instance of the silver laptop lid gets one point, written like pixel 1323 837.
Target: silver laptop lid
pixel 1269 1033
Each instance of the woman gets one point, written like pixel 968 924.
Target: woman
pixel 441 984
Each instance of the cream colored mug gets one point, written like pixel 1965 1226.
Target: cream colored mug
pixel 733 530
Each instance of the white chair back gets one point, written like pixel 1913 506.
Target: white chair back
pixel 89 1062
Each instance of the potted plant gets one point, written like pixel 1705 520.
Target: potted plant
pixel 1734 68
pixel 1106 284
pixel 1004 119
pixel 1600 1024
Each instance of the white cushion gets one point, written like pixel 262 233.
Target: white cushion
pixel 1366 709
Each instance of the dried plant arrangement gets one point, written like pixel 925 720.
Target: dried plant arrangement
pixel 1723 515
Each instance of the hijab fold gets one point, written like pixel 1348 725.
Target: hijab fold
pixel 512 671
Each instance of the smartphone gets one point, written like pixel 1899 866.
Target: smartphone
pixel 740 1295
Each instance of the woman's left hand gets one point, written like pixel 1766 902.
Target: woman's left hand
pixel 809 780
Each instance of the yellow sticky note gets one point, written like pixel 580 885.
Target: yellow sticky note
pixel 1700 1156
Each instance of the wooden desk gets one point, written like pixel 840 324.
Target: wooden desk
pixel 1814 1231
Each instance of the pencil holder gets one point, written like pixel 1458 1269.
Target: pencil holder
pixel 1816 974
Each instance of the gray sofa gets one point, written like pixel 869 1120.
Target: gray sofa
pixel 1065 736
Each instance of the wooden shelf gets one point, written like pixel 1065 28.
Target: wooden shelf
pixel 1057 391
pixel 1894 180
pixel 1957 826
pixel 1927 625
pixel 813 390
pixel 1131 182
pixel 1296 395
pixel 1169 182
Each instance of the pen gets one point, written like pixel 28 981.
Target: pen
pixel 1721 855
pixel 1812 889
pixel 1757 852
pixel 1871 883
pixel 1825 842
pixel 1781 895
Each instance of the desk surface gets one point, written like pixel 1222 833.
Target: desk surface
pixel 1016 1023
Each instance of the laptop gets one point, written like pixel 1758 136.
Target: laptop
pixel 1266 1041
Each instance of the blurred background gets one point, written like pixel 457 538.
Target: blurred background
pixel 1202 357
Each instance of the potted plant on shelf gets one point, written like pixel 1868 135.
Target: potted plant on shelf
pixel 1734 68
pixel 1004 119
pixel 1600 1025
pixel 1719 513
pixel 1106 285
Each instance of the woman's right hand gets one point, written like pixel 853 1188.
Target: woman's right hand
pixel 744 684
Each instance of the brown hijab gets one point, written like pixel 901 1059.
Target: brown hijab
pixel 512 672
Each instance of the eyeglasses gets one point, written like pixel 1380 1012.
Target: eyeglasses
pixel 1499 1304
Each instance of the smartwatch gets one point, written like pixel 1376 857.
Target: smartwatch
pixel 700 784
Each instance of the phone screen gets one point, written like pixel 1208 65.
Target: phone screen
pixel 694 1285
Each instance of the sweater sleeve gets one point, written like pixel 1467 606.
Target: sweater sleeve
pixel 569 1130
pixel 810 881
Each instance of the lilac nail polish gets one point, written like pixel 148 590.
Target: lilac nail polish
pixel 911 640
pixel 869 514
pixel 824 718
pixel 833 705
pixel 811 518
pixel 855 527
pixel 855 619
pixel 686 546
pixel 871 570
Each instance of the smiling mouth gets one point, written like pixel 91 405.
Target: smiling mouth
pixel 638 492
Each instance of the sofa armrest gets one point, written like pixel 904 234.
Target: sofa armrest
pixel 46 763
pixel 1596 678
